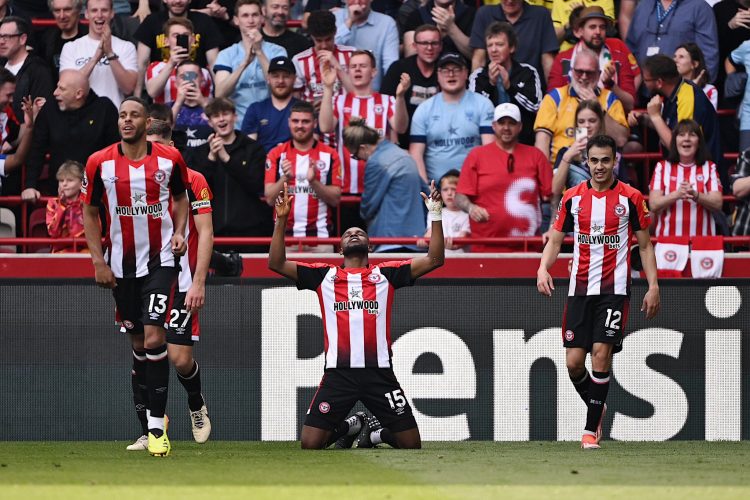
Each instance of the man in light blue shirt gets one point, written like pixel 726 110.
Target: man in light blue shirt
pixel 451 123
pixel 240 70
pixel 660 27
pixel 359 26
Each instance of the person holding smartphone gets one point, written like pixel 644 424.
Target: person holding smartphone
pixel 161 80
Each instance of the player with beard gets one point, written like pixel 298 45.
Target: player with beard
pixel 356 301
pixel 266 121
pixel 142 186
pixel 311 171
pixel 276 14
pixel 619 70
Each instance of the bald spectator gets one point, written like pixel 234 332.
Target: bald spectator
pixel 32 75
pixel 72 126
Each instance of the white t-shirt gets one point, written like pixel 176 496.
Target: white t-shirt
pixel 455 223
pixel 77 53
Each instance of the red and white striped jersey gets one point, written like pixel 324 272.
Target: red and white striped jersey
pixel 137 197
pixel 309 216
pixel 199 195
pixel 356 306
pixel 308 79
pixel 685 217
pixel 602 224
pixel 170 89
pixel 376 109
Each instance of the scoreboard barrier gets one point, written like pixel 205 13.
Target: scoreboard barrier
pixel 478 359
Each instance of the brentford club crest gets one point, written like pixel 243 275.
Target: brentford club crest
pixel 670 255
pixel 128 324
pixel 699 178
pixel 320 165
pixel 378 109
pixel 620 210
pixel 707 263
pixel 375 278
pixel 159 176
pixel 324 407
pixel 569 335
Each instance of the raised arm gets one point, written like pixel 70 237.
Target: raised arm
pixel 436 251
pixel 277 252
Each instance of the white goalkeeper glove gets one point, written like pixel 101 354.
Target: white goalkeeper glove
pixel 434 209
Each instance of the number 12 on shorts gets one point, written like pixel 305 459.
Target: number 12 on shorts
pixel 396 399
pixel 613 319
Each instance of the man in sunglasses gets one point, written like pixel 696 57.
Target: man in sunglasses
pixel 502 184
pixel 555 122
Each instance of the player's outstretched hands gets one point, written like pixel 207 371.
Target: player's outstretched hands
pixel 544 282
pixel 283 202
pixel 651 303
pixel 434 200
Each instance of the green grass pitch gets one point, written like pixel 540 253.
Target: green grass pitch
pixel 466 470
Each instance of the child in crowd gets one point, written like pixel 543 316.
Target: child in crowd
pixel 455 220
pixel 64 213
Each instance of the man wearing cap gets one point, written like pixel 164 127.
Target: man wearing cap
pixel 449 124
pixel 555 121
pixel 619 70
pixel 266 121
pixel 503 184
pixel 660 26
pixel 537 42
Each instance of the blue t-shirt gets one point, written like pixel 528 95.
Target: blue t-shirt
pixel 741 55
pixel 251 86
pixel 450 130
pixel 194 123
pixel 271 124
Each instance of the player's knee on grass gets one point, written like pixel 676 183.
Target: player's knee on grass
pixel 313 438
pixel 408 440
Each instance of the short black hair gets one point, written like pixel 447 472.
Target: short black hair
pixel 601 141
pixel 302 107
pixel 136 99
pixel 321 23
pixel 661 66
pixel 6 76
pixel 160 111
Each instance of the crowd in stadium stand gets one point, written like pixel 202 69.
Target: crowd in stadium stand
pixel 498 98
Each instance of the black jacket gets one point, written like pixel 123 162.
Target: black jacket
pixel 69 135
pixel 34 79
pixel 237 188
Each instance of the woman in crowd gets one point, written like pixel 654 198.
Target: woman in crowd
pixel 692 66
pixel 685 190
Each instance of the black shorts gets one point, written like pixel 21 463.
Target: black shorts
pixel 377 388
pixel 146 300
pixel 183 327
pixel 595 318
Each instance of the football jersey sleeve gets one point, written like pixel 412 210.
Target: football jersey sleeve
pixel 335 174
pixel 92 186
pixel 398 273
pixel 486 113
pixel 179 178
pixel 272 163
pixel 640 217
pixel 617 112
pixel 418 131
pixel 712 183
pixel 564 219
pixel 199 194
pixel 310 276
